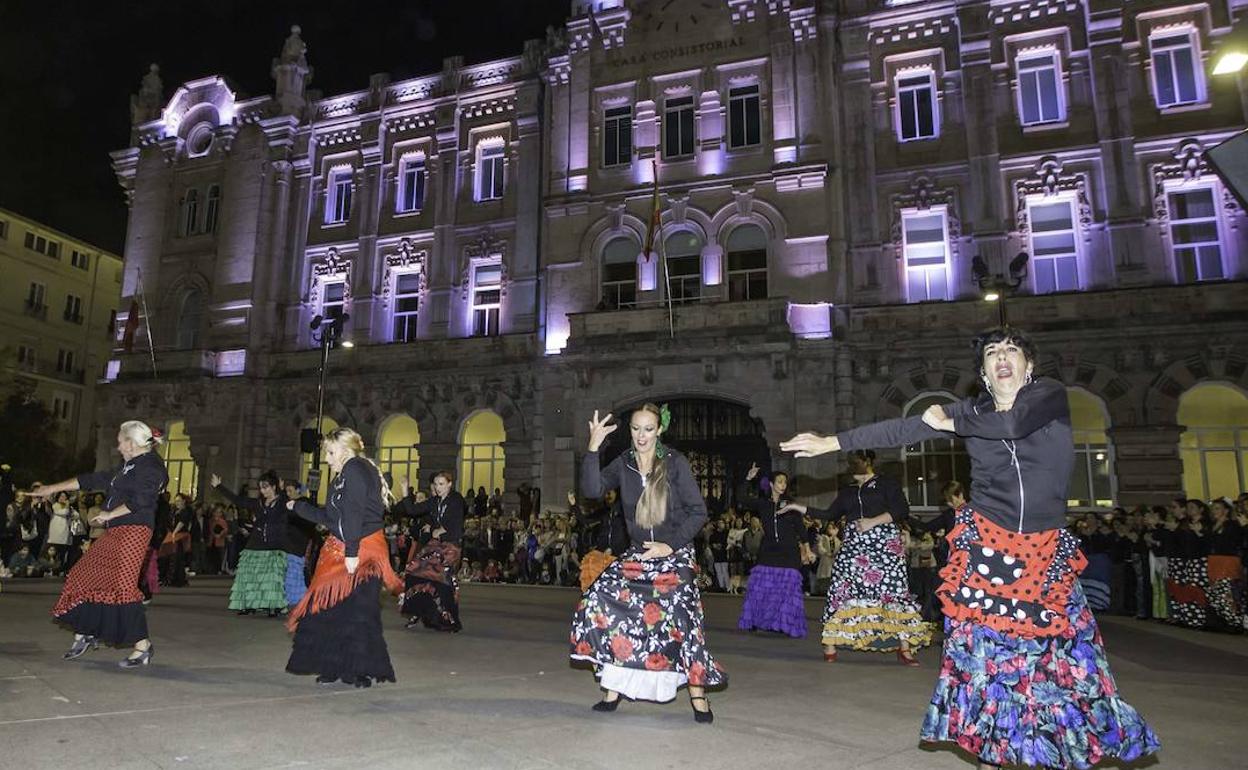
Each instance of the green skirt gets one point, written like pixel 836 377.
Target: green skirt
pixel 260 582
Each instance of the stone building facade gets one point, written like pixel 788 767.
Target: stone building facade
pixel 827 175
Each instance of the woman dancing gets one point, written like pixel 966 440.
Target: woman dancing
pixel 773 595
pixel 431 587
pixel 640 623
pixel 101 601
pixel 260 582
pixel 1024 678
pixel 337 625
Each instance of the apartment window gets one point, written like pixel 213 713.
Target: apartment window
pixel 333 300
pixel 64 361
pixel 26 357
pixel 338 199
pixel 487 297
pixel 490 172
pixel 1054 250
pixel 43 245
pixel 1039 88
pixel 36 300
pixel 617 136
pixel 678 127
pixel 917 116
pixel 1194 234
pixel 411 185
pixel 619 274
pixel 747 263
pixel 4 230
pixel 190 212
pixel 406 306
pixel 73 308
pixel 190 319
pixel 683 253
pixel 926 256
pixel 79 259
pixel 61 406
pixel 213 209
pixel 1177 78
pixel 744 117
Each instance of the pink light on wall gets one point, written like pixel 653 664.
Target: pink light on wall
pixel 647 272
pixel 810 321
pixel 712 265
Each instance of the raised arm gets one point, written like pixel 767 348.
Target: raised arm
pixel 1036 405
pixel 887 434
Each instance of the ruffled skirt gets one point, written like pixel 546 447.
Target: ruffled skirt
pixel 869 605
pixel 774 601
pixel 260 582
pixel 101 596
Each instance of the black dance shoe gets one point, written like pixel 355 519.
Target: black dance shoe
pixel 322 679
pixel 80 647
pixel 608 705
pixel 702 717
pixel 246 612
pixel 138 658
pixel 364 681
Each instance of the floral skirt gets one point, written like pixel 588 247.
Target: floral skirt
pixel 640 625
pixel 774 601
pixel 1095 580
pixel 1187 583
pixel 870 606
pixel 431 590
pixel 260 582
pixel 1048 701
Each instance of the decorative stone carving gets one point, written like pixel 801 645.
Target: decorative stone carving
pixel 1050 180
pixel 294 50
pixel 334 265
pixel 147 104
pixel 405 257
pixel 922 196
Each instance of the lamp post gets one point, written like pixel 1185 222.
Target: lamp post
pixel 330 330
pixel 996 286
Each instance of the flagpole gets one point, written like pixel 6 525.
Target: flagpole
pixel 147 324
pixel 667 281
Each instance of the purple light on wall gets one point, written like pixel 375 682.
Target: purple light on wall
pixel 231 363
pixel 557 338
pixel 647 272
pixel 712 265
pixel 810 321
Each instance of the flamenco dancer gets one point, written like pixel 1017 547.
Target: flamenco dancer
pixel 1024 678
pixel 101 600
pixel 869 605
pixel 260 581
pixel 773 596
pixel 337 625
pixel 640 623
pixel 431 588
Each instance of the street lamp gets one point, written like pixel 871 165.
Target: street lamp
pixel 1233 53
pixel 330 330
pixel 996 286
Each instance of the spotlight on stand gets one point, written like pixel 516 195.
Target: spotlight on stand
pixel 997 287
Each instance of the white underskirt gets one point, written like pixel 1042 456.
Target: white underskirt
pixel 659 686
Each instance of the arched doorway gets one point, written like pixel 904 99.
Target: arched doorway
pixel 397 450
pixel 176 452
pixel 1091 481
pixel 930 465
pixel 1214 444
pixel 481 458
pixel 720 438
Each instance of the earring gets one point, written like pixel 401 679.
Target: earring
pixel 1027 381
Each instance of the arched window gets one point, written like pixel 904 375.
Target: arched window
pixel 683 254
pixel 176 452
pixel 190 212
pixel 619 274
pixel 747 263
pixel 932 464
pixel 397 450
pixel 328 424
pixel 481 461
pixel 213 209
pixel 190 319
pixel 1214 446
pixel 1092 480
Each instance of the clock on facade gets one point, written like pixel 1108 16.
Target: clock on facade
pixel 672 16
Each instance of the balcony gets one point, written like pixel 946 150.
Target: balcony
pixel 36 310
pixel 766 318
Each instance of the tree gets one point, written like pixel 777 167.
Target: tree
pixel 35 454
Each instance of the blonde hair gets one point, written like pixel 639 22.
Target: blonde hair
pixel 354 444
pixel 652 505
pixel 140 433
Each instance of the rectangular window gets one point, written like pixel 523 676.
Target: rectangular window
pixel 61 406
pixel 916 106
pixel 338 199
pixel 412 185
pixel 678 127
pixel 30 240
pixel 487 284
pixel 1054 250
pixel 1039 89
pixel 926 256
pixel 1177 77
pixel 747 275
pixel 406 306
pixel 54 249
pixel 80 259
pixel 617 136
pixel 685 278
pixel 1194 234
pixel 333 300
pixel 65 361
pixel 26 357
pixel 619 285
pixel 73 309
pixel 213 210
pixel 36 300
pixel 744 117
pixel 4 229
pixel 490 173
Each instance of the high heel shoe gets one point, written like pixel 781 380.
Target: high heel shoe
pixel 138 658
pixel 830 657
pixel 81 646
pixel 363 681
pixel 702 717
pixel 607 705
pixel 906 659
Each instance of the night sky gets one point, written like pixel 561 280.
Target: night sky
pixel 67 70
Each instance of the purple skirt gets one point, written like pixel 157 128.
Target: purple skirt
pixel 773 601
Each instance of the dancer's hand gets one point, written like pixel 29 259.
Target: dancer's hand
pixel 811 445
pixel 290 505
pixel 752 473
pixel 655 550
pixel 352 563
pixel 599 430
pixel 792 507
pixel 214 481
pixel 438 533
pixel 935 417
pixel 40 491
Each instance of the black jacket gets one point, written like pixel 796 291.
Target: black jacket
pixel 268 532
pixel 438 513
pixel 879 494
pixel 686 510
pixel 353 509
pixel 136 483
pixel 783 534
pixel 1021 459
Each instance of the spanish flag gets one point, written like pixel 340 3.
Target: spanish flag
pixel 655 214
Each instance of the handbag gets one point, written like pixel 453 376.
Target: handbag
pixel 76 527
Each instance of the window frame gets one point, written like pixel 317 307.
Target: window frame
pixel 943 211
pixel 486 317
pixel 409 318
pixel 339 195
pixel 620 125
pixel 898 93
pixel 746 274
pixel 741 98
pixel 610 291
pixel 679 115
pixel 212 208
pixel 73 308
pixel 1192 35
pixel 1036 258
pixel 190 212
pixel 415 166
pixel 327 304
pixel 1181 272
pixel 950 445
pixel 1055 62
pixel 495 163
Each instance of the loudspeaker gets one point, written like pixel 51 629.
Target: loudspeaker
pixel 1230 163
pixel 309 441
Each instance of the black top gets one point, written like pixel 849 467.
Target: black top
pixel 1158 539
pixel 878 494
pixel 136 484
pixel 353 510
pixel 439 513
pixel 1021 459
pixel 1186 544
pixel 1226 541
pixel 268 531
pixel 686 510
pixel 783 534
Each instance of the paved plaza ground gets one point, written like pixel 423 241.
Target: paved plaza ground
pixel 501 694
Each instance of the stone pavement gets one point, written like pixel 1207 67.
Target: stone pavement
pixel 502 694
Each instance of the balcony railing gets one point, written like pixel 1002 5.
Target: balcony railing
pixel 73 318
pixel 36 310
